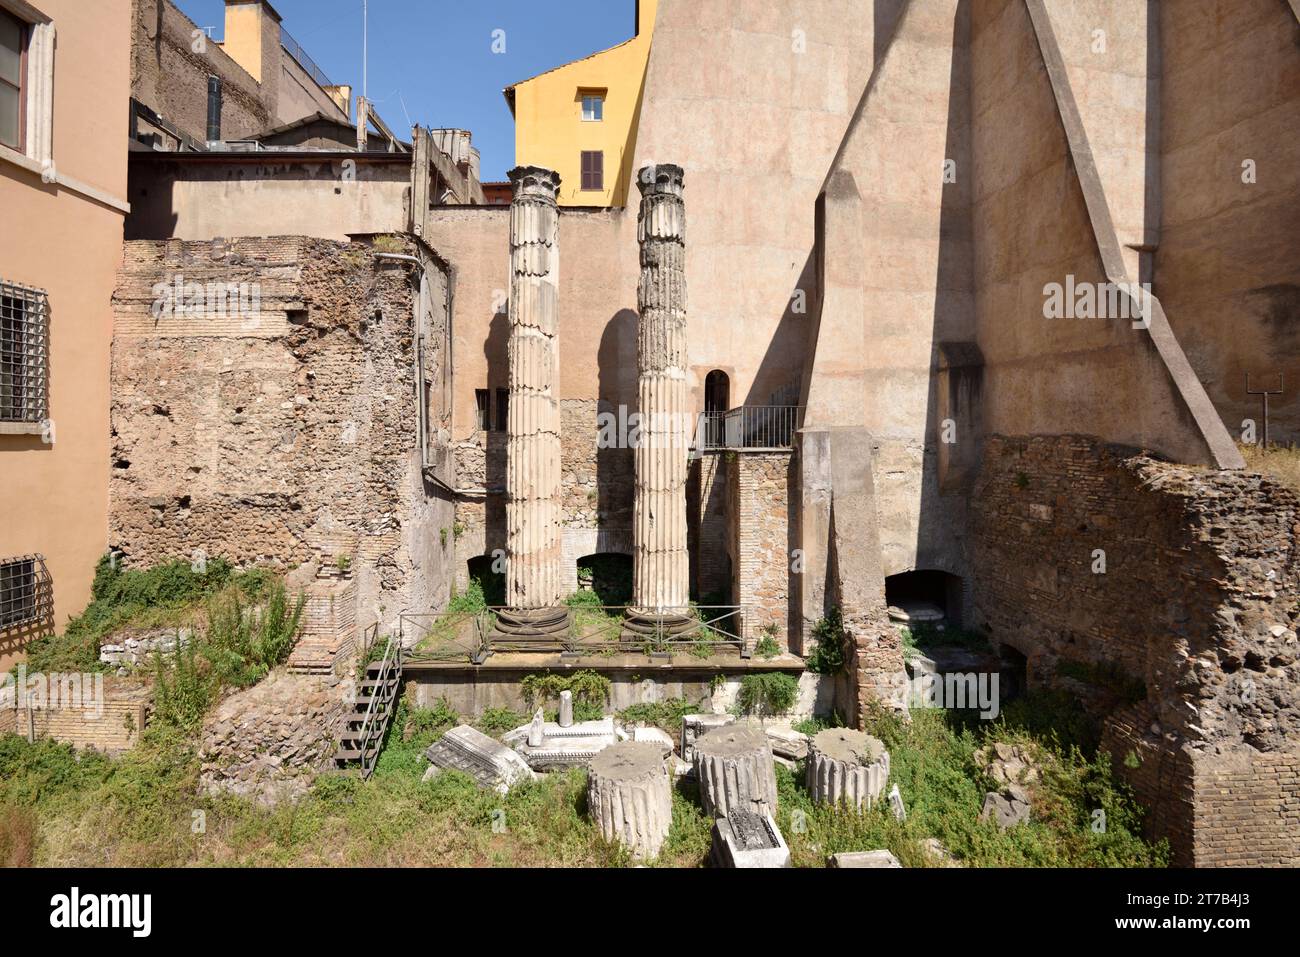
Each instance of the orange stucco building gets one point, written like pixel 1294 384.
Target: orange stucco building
pixel 63 157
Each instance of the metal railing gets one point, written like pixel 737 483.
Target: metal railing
pixel 294 50
pixel 381 707
pixel 749 427
pixel 591 630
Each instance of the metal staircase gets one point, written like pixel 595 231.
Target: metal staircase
pixel 362 734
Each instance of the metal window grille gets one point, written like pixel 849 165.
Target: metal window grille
pixel 26 594
pixel 24 354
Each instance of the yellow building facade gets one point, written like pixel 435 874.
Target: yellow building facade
pixel 580 119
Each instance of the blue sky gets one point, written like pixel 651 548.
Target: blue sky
pixel 436 56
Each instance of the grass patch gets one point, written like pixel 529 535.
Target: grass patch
pixel 1279 462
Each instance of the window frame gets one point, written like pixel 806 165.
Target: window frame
pixel 24 44
pixel 482 409
pixel 582 165
pixel 37 96
pixel 599 98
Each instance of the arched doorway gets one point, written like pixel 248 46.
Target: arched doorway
pixel 717 398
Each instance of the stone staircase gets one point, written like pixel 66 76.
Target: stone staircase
pixel 328 640
pixel 362 732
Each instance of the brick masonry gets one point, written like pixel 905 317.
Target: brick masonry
pixel 759 490
pixel 284 434
pixel 1198 601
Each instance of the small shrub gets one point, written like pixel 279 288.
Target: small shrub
pixel 245 642
pixel 590 690
pixel 767 694
pixel 183 687
pixel 828 657
pixel 666 714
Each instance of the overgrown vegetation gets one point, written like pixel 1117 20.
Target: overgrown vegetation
pixel 827 657
pixel 166 595
pixel 766 646
pixel 61 808
pixel 918 637
pixel 590 691
pixel 767 693
pixel 242 643
pixel 666 714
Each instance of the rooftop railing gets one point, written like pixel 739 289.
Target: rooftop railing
pixel 294 50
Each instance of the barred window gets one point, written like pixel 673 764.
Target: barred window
pixel 24 354
pixel 25 592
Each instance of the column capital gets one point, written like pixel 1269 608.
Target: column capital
pixel 662 179
pixel 534 183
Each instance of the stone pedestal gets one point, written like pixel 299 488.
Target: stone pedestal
pixel 533 422
pixel 846 766
pixel 745 839
pixel 735 771
pixel 660 564
pixel 629 796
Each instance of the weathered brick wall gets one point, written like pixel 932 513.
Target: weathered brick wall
pixel 1198 601
pixel 708 489
pixel 115 726
pixel 171 78
pixel 282 435
pixel 759 486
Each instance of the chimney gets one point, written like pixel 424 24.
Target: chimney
pixel 253 38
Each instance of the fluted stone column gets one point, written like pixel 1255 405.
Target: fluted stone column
pixel 533 425
pixel 660 569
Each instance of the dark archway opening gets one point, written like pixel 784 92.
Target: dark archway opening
pixel 717 396
pixel 608 575
pixel 926 597
pixel 492 582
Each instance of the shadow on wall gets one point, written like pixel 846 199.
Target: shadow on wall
pixel 953 394
pixel 495 351
pixel 781 370
pixel 616 391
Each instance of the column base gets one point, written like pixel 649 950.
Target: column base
pixel 650 623
pixel 533 622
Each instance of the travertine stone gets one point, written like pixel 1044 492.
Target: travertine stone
pixel 629 796
pixel 846 766
pixel 533 422
pixel 695 726
pixel 735 771
pixel 660 571
pixel 490 763
pixel 566 709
